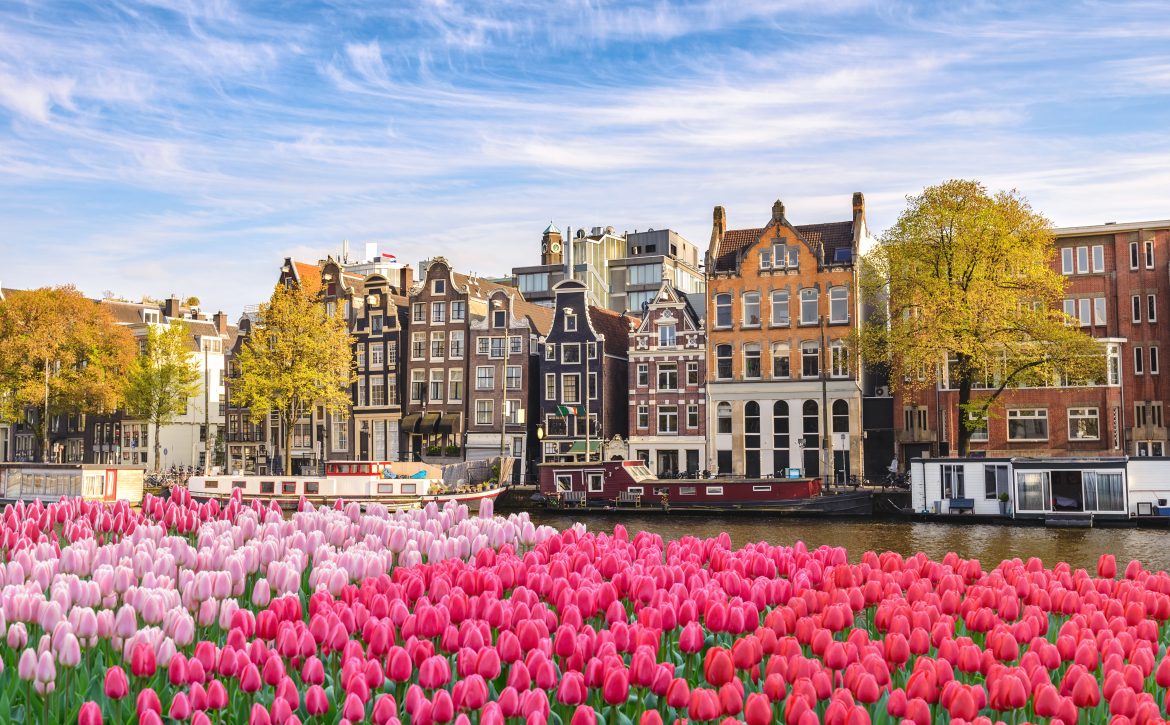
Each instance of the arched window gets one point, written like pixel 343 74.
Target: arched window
pixel 840 416
pixel 723 416
pixel 780 440
pixel 812 424
pixel 723 362
pixel 751 439
pixel 723 310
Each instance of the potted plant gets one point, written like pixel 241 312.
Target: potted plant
pixel 1003 504
pixel 434 450
pixel 452 450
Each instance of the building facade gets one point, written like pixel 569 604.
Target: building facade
pixel 504 351
pixel 584 377
pixel 668 384
pixel 1116 288
pixel 784 392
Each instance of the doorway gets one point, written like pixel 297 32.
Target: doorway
pixel 1068 494
pixel 667 462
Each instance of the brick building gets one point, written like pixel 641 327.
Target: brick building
pixel 504 351
pixel 1117 287
pixel 782 303
pixel 584 393
pixel 668 383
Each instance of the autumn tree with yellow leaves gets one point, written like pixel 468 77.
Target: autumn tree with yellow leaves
pixel 965 279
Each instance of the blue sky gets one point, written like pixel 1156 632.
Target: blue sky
pixel 186 147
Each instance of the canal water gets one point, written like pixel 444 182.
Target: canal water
pixel 989 544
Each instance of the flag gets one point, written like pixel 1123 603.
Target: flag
pixel 389 257
pixel 568 410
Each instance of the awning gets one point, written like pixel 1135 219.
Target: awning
pixel 410 423
pixel 429 422
pixel 449 423
pixel 579 447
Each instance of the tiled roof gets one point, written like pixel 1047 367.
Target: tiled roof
pixel 615 327
pixel 831 235
pixel 309 275
pixel 478 286
pixel 541 316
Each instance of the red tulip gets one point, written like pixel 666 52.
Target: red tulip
pixel 90 714
pixel 649 717
pixel 177 670
pixel 354 709
pixel 217 698
pixel 442 707
pixel 963 705
pixel 259 716
pixel 583 715
pixel 180 707
pixel 757 710
pixel 1085 692
pixel 678 694
pixel 385 709
pixel 690 640
pixel 316 702
pixel 142 660
pixel 116 685
pixel 250 680
pixel 147 702
pixel 704 704
pixel 718 668
pixel 616 688
pixel 572 690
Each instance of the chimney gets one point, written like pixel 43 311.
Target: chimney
pixel 777 211
pixel 220 320
pixel 859 229
pixel 718 227
pixel 171 307
pixel 407 278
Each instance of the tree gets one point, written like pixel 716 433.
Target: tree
pixel 295 357
pixel 162 378
pixel 969 283
pixel 60 352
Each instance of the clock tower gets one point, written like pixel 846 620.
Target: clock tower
pixel 552 250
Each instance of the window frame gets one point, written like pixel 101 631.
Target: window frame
pixel 1134 256
pixel 813 297
pixel 1067 260
pixel 843 300
pixel 1151 307
pixel 664 413
pixel 724 308
pixel 780 297
pixel 1079 414
pixel 667 370
pixel 1018 414
pixel 748 301
pixel 1098 258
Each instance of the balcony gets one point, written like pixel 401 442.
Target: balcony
pixel 917 435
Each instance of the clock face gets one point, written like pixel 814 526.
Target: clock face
pixel 555 247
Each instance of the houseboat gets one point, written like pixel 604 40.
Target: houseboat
pixel 1055 491
pixel 620 485
pixel 50 481
pixel 395 484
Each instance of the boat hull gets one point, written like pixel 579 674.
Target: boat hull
pixel 471 499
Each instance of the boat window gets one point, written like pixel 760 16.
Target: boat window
pixel 686 490
pixel 288 487
pixel 211 484
pixel 332 469
pixel 635 490
pixel 312 487
pixel 239 484
pixel 409 487
pixel 761 489
pixel 714 490
pixel 267 486
pixel 564 482
pixel 663 491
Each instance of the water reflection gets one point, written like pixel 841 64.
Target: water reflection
pixel 989 544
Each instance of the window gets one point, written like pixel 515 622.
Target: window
pixel 376 324
pixel 1083 424
pixel 1150 254
pixel 485 377
pixel 571 389
pixel 840 416
pixel 1098 310
pixel 723 418
pixel 1138 361
pixel 643 416
pixel 418 345
pixel 811 412
pixel 593 386
pixel 439 286
pixel 692 416
pixel 458 311
pixel 751 360
pixel 570 322
pixel 995 480
pixel 1141 414
pixel 485 413
pixel 456 344
pixel 751 439
pixel 267 486
pixel 513 377
pixel 643 375
pixel 780 435
pixel 418 312
pixel 723 310
pixel 1070 308
pixel 751 309
pixel 692 373
pixel 376 355
pixel 667 336
pixel 1066 260
pixel 499 318
pixel 979 426
pixel 361 355
pixel 1028 424
pixel 438 312
pixel 497 347
pixel 1113 361
pixel 839 354
pixel 455 392
pixel 550 351
pixel 1086 312
pixel 1156 414
pixel 952 481
pixel 667 419
pixel 714 490
pixel 765 259
pixel 418 385
pixel 1137 308
pixel 839 304
pixel 377 390
pixel 438 345
pixel 1152 308
pixel 1098 258
pixel 1153 360
pixel 571 352
pixel 591 351
pixel 723 362
pixel 668 376
pixel 550 386
pixel 781 360
pixel 780 308
pixel 436 385
pixel 515 344
pixel 1133 255
pixel 1082 260
pixel 808 307
pixel 810 364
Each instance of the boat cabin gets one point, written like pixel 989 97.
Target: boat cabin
pixel 51 481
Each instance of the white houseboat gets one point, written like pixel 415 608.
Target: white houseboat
pixel 50 481
pixel 396 484
pixel 1059 491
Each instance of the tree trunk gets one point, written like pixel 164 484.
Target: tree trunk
pixel 157 446
pixel 45 420
pixel 963 433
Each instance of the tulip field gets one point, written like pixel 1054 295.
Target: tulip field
pixel 237 613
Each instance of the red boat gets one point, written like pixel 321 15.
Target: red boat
pixel 614 485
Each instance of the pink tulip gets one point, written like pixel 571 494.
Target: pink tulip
pixel 180 707
pixel 90 714
pixel 316 703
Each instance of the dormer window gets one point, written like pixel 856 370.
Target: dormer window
pixel 439 287
pixel 499 318
pixel 150 316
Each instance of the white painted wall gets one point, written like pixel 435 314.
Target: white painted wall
pixel 930 472
pixel 1149 480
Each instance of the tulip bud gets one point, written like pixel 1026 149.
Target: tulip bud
pixel 116 685
pixel 90 714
